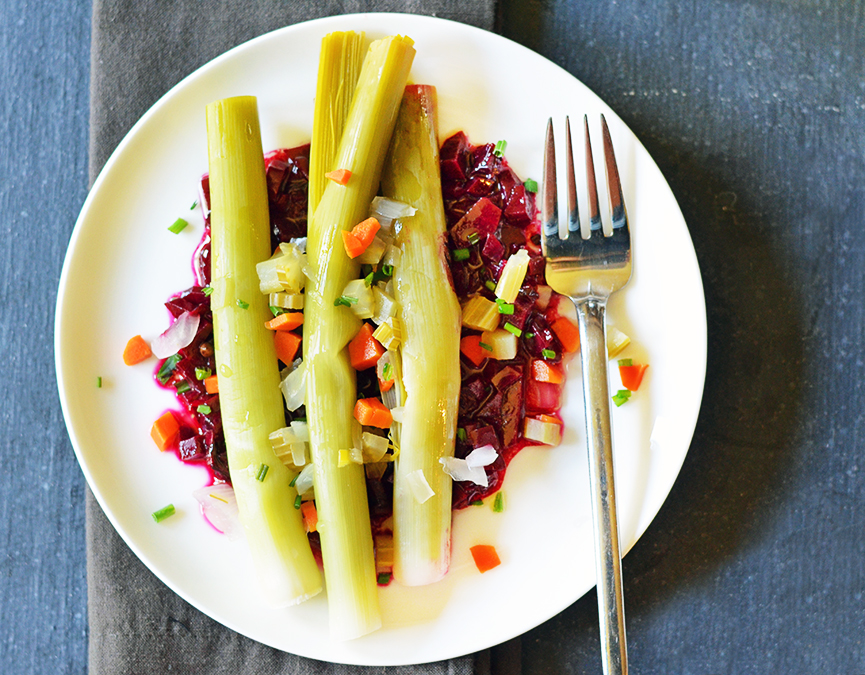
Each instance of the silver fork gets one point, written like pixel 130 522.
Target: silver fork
pixel 589 271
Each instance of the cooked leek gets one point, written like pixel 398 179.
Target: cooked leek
pixel 249 396
pixel 343 514
pixel 429 346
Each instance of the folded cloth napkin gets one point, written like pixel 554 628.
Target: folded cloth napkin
pixel 140 48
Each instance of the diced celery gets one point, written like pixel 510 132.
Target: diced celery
pixel 286 300
pixel 283 271
pixel 480 314
pixel 616 341
pixel 389 333
pixel 512 276
pixel 548 433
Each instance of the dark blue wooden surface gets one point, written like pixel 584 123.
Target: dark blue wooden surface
pixel 755 112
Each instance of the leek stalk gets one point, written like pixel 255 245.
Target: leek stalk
pixel 340 492
pixel 430 345
pixel 250 401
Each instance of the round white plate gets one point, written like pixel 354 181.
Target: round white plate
pixel 122 264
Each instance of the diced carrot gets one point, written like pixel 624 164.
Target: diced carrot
pixel 632 376
pixel 211 385
pixel 386 385
pixel 543 371
pixel 470 345
pixel 137 350
pixel 567 332
pixel 286 344
pixel 364 350
pixel 165 430
pixel 340 176
pixel 286 321
pixel 360 237
pixel 310 516
pixel 371 412
pixel 485 557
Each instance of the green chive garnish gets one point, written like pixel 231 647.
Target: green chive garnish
pixel 367 280
pixel 461 254
pixel 242 304
pixel 484 345
pixel 163 513
pixel 182 387
pixel 473 238
pixel 531 185
pixel 548 353
pixel 344 300
pixel 178 226
pixel 504 307
pixel 529 336
pixel 626 362
pixel 99 383
pixel 383 579
pixel 478 502
pixel 297 502
pixel 262 474
pixel 500 148
pixel 165 370
pixel 511 328
pixel 461 434
pixel 194 204
pixel 207 290
pixel 293 481
pixel 387 270
pixel 621 397
pixel 204 409
pixel 386 372
pixel 202 373
pixel 499 502
pixel 490 284
pixel 276 311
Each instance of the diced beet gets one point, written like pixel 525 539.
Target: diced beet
pixel 452 157
pixel 472 395
pixel 480 186
pixel 379 494
pixel 508 181
pixel 542 337
pixel 493 250
pixel 523 306
pixel 518 210
pixel 512 404
pixel 479 436
pixel 543 397
pixel 481 219
pixel 504 377
pixel 492 408
pixel 190 446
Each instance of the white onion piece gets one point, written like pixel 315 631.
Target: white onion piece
pixel 179 335
pixel 386 210
pixel 219 507
pixel 420 488
pixel 304 479
pixel 293 385
pixel 398 413
pixel 482 456
pixel 459 470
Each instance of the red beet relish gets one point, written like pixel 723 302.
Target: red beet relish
pixel 492 215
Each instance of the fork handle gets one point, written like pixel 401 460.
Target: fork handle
pixel 596 394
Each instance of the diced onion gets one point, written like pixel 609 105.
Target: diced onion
pixel 304 480
pixel 482 456
pixel 387 210
pixel 357 289
pixel 397 413
pixel 459 470
pixel 373 252
pixel 179 335
pixel 420 488
pixel 219 506
pixel 293 385
pixel 374 447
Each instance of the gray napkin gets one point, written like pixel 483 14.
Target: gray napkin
pixel 140 48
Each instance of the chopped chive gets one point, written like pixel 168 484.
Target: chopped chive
pixel 299 419
pixel 293 481
pixel 477 502
pixel 386 373
pixel 531 185
pixel 387 270
pixel 548 353
pixel 344 300
pixel 367 280
pixel 511 328
pixel 473 238
pixel 276 311
pixel 484 345
pixel 500 148
pixel 621 397
pixel 204 409
pixel 163 513
pixel 626 362
pixel 194 204
pixel 528 336
pixel 490 284
pixel 504 307
pixel 207 290
pixel 178 226
pixel 499 502
pixel 461 254
pixel 242 304
pixel 297 502
pixel 165 370
pixel 461 434
pixel 262 473
pixel 202 373
pixel 383 579
pixel 99 382
pixel 182 387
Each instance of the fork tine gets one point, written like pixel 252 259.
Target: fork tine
pixel 573 209
pixel 594 209
pixel 549 202
pixel 614 184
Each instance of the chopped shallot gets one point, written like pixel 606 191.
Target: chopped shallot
pixel 179 335
pixel 219 506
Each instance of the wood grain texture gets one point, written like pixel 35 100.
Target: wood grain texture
pixel 755 113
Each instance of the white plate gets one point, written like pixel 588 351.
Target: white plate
pixel 122 264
